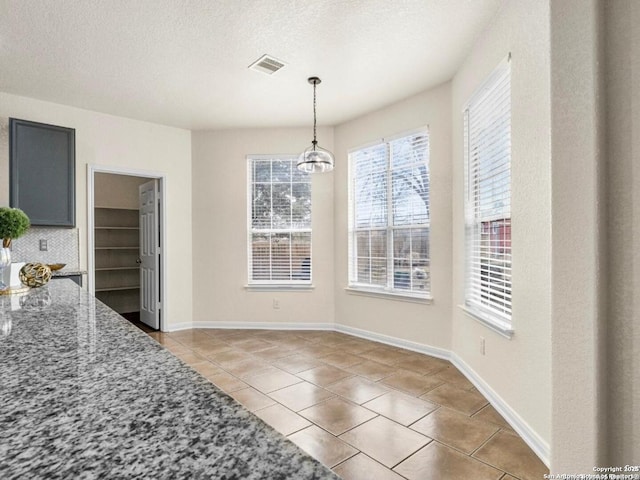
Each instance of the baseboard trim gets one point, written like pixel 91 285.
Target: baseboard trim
pixel 252 326
pixel 531 438
pixel 176 327
pixel 395 342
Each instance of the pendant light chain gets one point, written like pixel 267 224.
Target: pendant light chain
pixel 315 159
pixel 314 115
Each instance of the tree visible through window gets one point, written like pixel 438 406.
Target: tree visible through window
pixel 389 216
pixel 279 221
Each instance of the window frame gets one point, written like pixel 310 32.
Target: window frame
pixel 291 284
pixel 387 290
pixel 475 222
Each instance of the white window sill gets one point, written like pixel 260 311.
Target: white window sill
pixel 389 295
pixel 487 321
pixel 279 288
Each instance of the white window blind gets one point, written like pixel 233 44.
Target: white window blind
pixel 487 123
pixel 389 216
pixel 279 221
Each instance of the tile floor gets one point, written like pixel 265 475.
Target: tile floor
pixel 368 411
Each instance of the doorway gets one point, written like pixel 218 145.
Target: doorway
pixel 126 232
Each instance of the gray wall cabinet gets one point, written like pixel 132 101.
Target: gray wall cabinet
pixel 42 165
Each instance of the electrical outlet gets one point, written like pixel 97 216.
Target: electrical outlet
pixel 483 346
pixel 43 245
pixel 276 303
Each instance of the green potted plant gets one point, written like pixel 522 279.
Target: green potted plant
pixel 13 223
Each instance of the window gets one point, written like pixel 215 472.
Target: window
pixel 488 200
pixel 279 222
pixel 389 216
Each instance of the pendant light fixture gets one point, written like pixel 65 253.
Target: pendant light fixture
pixel 315 159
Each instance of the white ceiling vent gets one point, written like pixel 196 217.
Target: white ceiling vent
pixel 267 64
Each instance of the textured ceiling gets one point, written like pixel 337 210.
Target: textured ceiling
pixel 184 62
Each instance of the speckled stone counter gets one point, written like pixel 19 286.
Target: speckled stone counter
pixel 67 273
pixel 85 395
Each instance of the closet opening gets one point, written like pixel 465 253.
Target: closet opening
pixel 126 238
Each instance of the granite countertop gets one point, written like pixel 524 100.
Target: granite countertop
pixel 67 273
pixel 86 395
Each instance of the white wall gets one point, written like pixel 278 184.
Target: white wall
pixel 623 150
pixel 424 324
pixel 577 275
pixel 518 370
pixel 220 219
pixel 115 141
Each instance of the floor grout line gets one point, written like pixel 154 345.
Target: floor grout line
pixel 431 440
pixel 482 445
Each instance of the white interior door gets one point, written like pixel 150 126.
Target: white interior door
pixel 149 254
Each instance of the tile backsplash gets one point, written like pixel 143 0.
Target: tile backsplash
pixel 62 246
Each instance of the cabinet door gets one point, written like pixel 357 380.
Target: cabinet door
pixel 42 171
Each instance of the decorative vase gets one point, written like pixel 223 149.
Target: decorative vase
pixel 5 261
pixel 35 274
pixel 36 300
